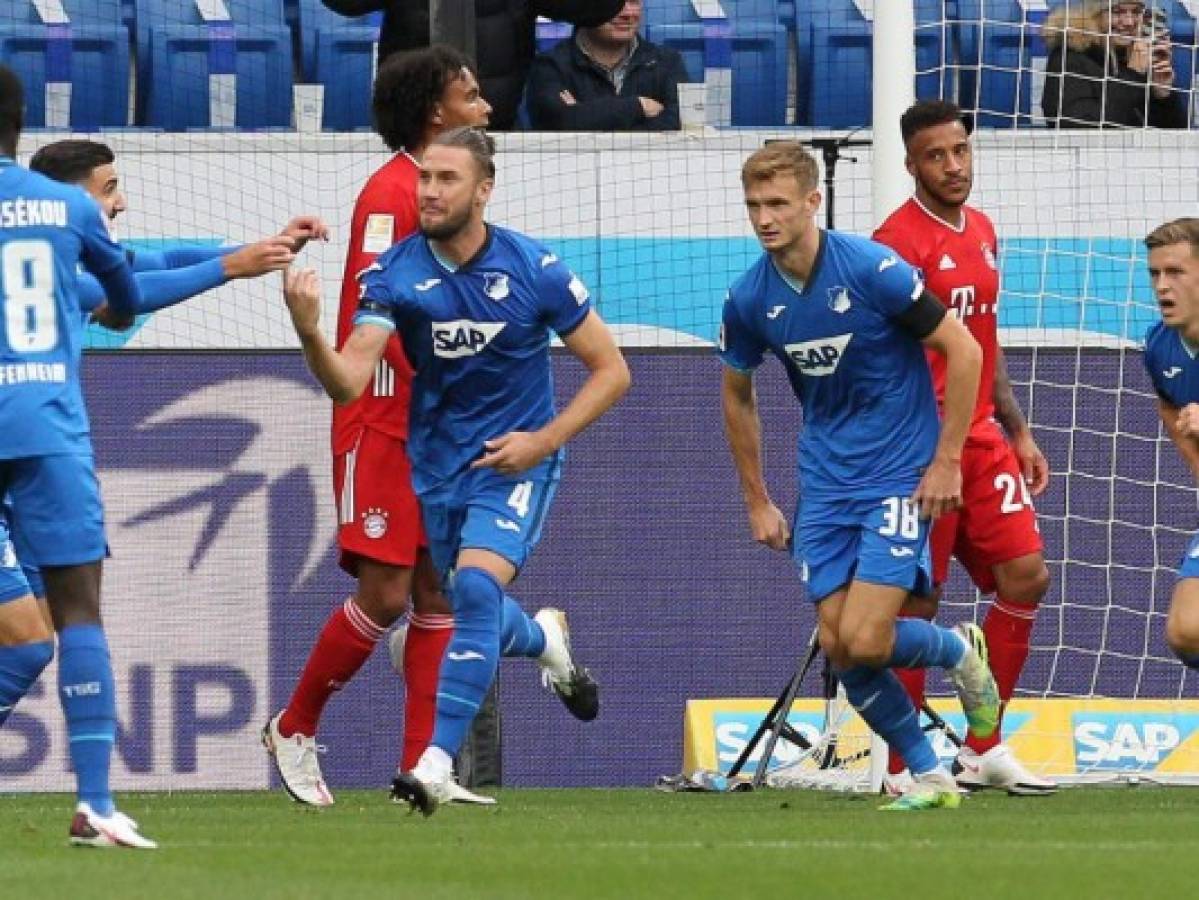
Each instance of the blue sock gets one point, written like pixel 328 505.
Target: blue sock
pixel 20 667
pixel 470 661
pixel 923 645
pixel 882 703
pixel 88 696
pixel 519 634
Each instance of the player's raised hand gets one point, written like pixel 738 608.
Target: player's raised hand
pixel 105 316
pixel 1033 464
pixel 513 453
pixel 940 490
pixel 769 526
pixel 271 254
pixel 303 229
pixel 1188 420
pixel 302 292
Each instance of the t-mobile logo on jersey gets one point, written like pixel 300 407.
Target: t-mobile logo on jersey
pixel 961 302
pixel 821 356
pixel 462 337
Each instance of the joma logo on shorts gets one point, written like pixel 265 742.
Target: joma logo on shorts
pixel 821 356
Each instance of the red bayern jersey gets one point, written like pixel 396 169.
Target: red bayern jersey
pixel 959 270
pixel 386 211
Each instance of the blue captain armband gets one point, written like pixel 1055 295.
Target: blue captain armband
pixel 373 312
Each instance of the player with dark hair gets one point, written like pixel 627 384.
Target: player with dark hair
pixel 849 320
pixel 165 277
pixel 994 535
pixel 1171 347
pixel 47 470
pixel 474 305
pixel 417 95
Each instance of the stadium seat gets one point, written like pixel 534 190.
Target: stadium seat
pixel 549 34
pixel 835 50
pixel 90 54
pixel 750 42
pixel 339 53
pixel 998 40
pixel 197 74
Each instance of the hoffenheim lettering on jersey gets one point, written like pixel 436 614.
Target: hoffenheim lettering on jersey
pixel 870 417
pixel 478 339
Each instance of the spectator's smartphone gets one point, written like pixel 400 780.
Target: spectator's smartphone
pixel 1155 27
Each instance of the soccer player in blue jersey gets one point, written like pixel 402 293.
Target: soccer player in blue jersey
pixel 474 305
pixel 1171 348
pixel 849 320
pixel 47 230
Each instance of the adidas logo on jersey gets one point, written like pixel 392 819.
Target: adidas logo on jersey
pixel 946 263
pixel 819 357
pixel 462 337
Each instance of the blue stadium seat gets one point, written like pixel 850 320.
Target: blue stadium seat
pixel 91 54
pixel 550 34
pixel 339 53
pixel 835 61
pixel 752 42
pixel 179 53
pixel 998 42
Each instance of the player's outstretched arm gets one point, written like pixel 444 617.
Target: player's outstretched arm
pixel 743 431
pixel 940 490
pixel 1183 427
pixel 344 375
pixel 1007 411
pixel 609 378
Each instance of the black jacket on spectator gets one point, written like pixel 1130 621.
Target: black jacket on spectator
pixel 1083 91
pixel 653 72
pixel 504 37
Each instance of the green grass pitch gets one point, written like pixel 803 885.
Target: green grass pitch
pixel 1079 845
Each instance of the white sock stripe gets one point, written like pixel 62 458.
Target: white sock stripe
pixel 433 622
pixel 1020 612
pixel 361 622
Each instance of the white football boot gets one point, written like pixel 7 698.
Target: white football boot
pixel 999 768
pixel 297 764
pixel 90 829
pixel 574 686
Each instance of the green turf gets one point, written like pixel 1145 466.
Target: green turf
pixel 1079 845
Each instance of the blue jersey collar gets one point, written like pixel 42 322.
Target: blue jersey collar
pixel 449 266
pixel 801 287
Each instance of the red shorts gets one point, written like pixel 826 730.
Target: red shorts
pixel 997 522
pixel 378 515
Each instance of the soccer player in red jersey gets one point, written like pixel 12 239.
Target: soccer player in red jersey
pixel 417 95
pixel 994 534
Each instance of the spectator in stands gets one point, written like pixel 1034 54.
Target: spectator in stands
pixel 606 78
pixel 504 38
pixel 1106 68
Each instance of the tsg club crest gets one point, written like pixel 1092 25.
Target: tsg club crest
pixel 838 299
pixel 495 285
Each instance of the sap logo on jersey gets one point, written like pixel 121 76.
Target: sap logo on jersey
pixel 821 356
pixel 732 731
pixel 1139 741
pixel 462 337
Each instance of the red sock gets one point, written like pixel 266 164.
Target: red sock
pixel 424 647
pixel 1008 626
pixel 913 682
pixel 343 646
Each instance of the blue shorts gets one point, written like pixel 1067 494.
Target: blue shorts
pixel 13 583
pixel 484 510
pixel 882 541
pixel 1188 566
pixel 54 509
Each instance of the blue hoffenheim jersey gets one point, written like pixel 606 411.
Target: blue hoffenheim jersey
pixel 870 417
pixel 1172 366
pixel 47 230
pixel 478 339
